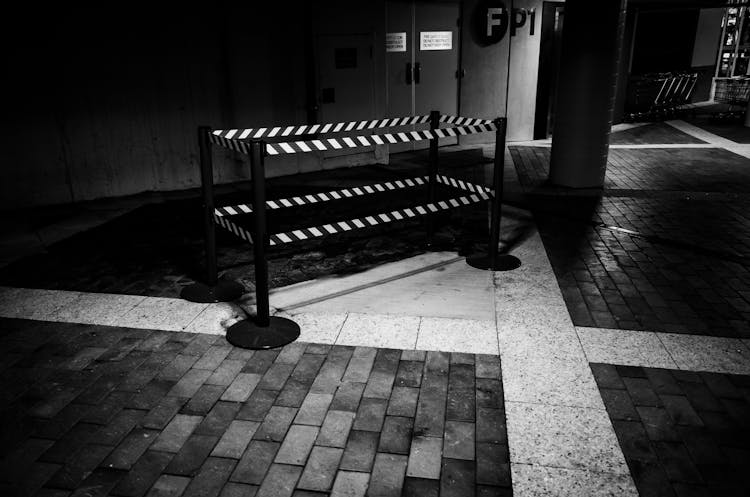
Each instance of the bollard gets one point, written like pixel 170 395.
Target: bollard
pixel 213 290
pixel 432 173
pixel 266 331
pixel 492 260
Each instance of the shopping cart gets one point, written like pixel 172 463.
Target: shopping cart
pixel 734 92
pixel 655 97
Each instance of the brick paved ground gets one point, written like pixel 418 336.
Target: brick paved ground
pixel 651 133
pixel 686 272
pixel 100 411
pixel 682 433
pixel 732 129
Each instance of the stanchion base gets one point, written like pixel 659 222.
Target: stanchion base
pixel 248 335
pixel 503 262
pixel 224 291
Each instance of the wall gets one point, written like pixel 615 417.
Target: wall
pixel 483 88
pixel 705 51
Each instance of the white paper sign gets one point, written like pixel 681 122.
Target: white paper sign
pixel 436 40
pixel 395 42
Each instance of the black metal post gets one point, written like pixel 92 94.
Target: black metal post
pixel 492 260
pixel 260 239
pixel 267 332
pixel 432 173
pixel 212 290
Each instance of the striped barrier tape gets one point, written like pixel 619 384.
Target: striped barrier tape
pixel 463 185
pixel 458 120
pixel 325 197
pixel 371 140
pixel 308 129
pixel 377 219
pixel 229 225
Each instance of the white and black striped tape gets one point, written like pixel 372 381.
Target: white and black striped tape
pixel 460 121
pixel 307 129
pixel 325 197
pixel 371 140
pixel 229 225
pixel 463 185
pixel 374 220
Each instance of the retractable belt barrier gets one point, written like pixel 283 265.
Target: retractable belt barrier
pixel 267 331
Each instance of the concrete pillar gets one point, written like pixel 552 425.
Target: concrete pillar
pixel 591 44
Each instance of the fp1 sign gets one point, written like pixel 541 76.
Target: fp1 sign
pixel 493 18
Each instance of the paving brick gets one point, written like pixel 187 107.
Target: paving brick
pixel 347 397
pixel 57 426
pixel 226 372
pixel 437 363
pixel 211 478
pixel 203 400
pixel 403 402
pixel 158 417
pixel 291 353
pixel 320 469
pixel 176 433
pixel 487 366
pixel 233 489
pixel 387 479
pixel 489 393
pixel 335 429
pixel 634 441
pixel 131 449
pixel 101 481
pixel 641 392
pixel 280 481
pixel 657 423
pixel 218 419
pixel 493 465
pixel 360 365
pixel 662 381
pixel 74 471
pixel 457 478
pixel 313 409
pixel 257 406
pixel 297 445
pixel 260 362
pixel 192 455
pixel 150 394
pixel 243 355
pixel 276 376
pixel 189 384
pixel 178 367
pixel 293 393
pixel 379 385
pixel 255 462
pixel 425 458
pixel 213 357
pixel 70 443
pixel 169 486
pixel 235 439
pixel 99 390
pixel 307 368
pixel 459 440
pixel 396 435
pixel 143 474
pixel 409 374
pixel 370 415
pixel 241 388
pixel 420 487
pixel 360 451
pixel 619 405
pixel 680 410
pixel 430 416
pixel 700 397
pixel 350 484
pixel 413 355
pixel 676 462
pixel 461 404
pixel 491 426
pixel 276 424
pixel 702 447
pixel 329 376
pixel 105 411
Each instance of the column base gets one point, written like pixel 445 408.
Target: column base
pixel 503 262
pixel 248 335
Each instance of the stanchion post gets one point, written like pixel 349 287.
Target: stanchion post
pixel 257 152
pixel 497 185
pixel 266 331
pixel 207 191
pixel 432 172
pixel 212 290
pixel 492 260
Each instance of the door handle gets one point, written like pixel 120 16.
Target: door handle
pixel 417 72
pixel 408 73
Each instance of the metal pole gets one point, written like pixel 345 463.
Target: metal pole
pixel 258 151
pixel 207 188
pixel 432 172
pixel 497 200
